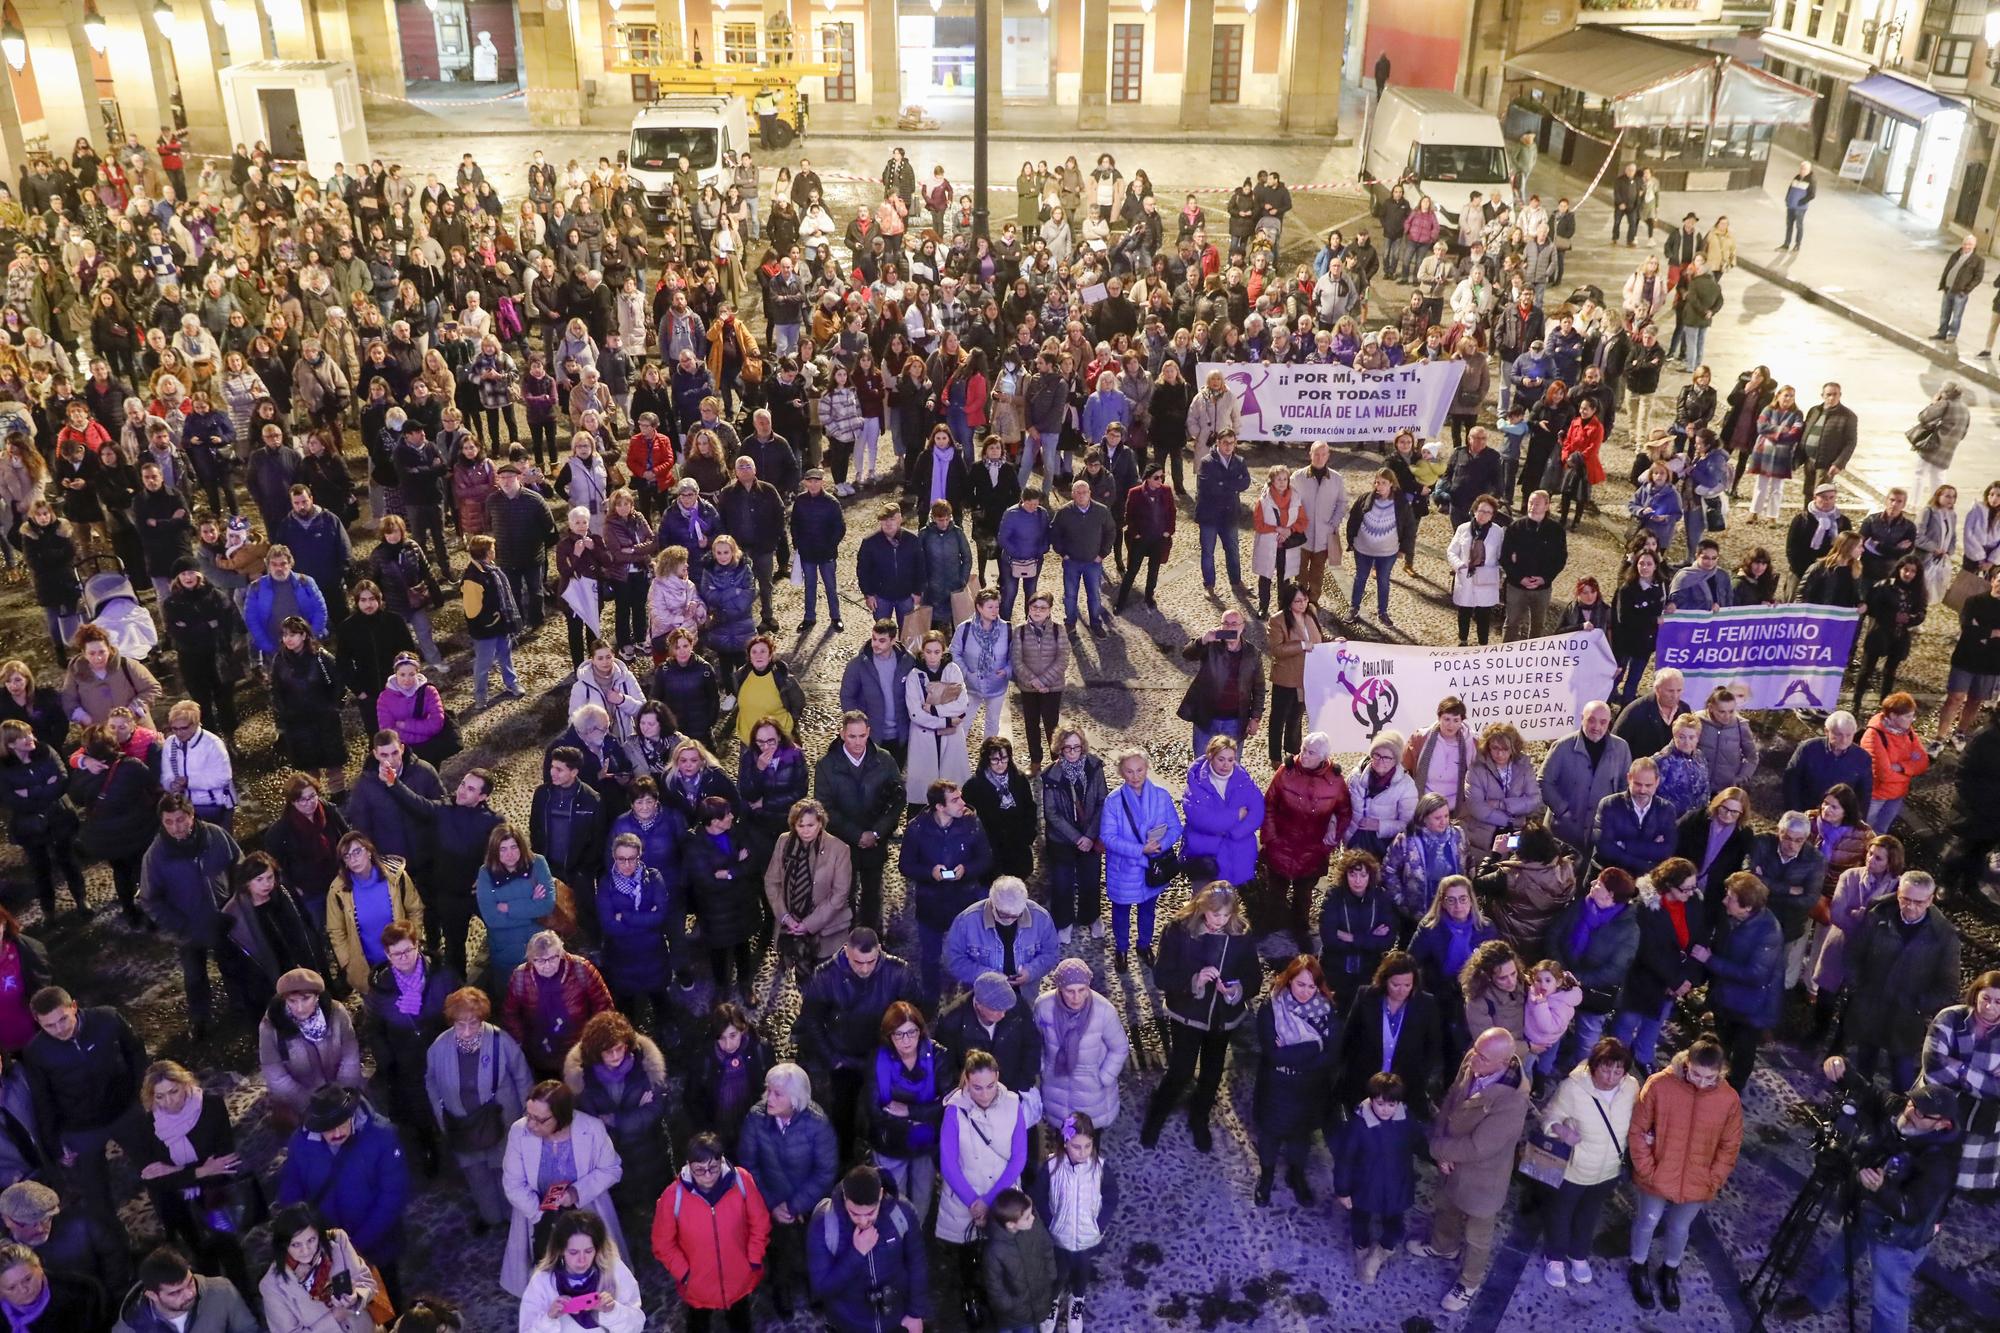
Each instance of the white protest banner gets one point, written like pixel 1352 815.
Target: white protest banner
pixel 1353 690
pixel 1280 401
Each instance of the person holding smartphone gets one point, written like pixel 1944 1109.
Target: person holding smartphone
pixel 318 1281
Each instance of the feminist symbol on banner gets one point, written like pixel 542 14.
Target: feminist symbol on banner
pixel 1246 382
pixel 1373 699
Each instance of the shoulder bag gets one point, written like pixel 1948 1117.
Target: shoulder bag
pixel 1544 1158
pixel 445 744
pixel 481 1128
pixel 1162 866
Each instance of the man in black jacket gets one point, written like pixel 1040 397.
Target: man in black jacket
pixel 992 1019
pixel 186 876
pixel 1472 471
pixel 1831 432
pixel 754 514
pixel 1812 531
pixel 459 828
pixel 861 786
pixel 371 810
pixel 1532 553
pixel 1963 273
pixel 840 1022
pixel 84 1068
pixel 567 823
pixel 1906 1184
pixel 522 532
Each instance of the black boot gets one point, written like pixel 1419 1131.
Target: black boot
pixel 1642 1285
pixel 1295 1176
pixel 1156 1120
pixel 1198 1130
pixel 1264 1178
pixel 1670 1287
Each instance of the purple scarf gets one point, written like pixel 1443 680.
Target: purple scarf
pixel 1588 921
pixel 573 1284
pixel 409 990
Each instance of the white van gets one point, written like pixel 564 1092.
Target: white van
pixel 701 129
pixel 1438 144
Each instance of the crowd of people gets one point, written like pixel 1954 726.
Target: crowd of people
pixel 1444 950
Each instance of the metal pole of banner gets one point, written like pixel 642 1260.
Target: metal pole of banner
pixel 982 66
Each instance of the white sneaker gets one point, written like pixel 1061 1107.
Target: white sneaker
pixel 843 490
pixel 1076 1314
pixel 1097 929
pixel 1552 1273
pixel 1579 1272
pixel 1063 935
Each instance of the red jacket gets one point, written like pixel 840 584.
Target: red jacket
pixel 662 461
pixel 715 1252
pixel 1298 805
pixel 1149 517
pixel 584 996
pixel 1585 437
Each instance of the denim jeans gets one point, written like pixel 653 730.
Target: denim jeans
pixel 784 339
pixel 1121 924
pixel 1009 586
pixel 1379 566
pixel 1646 1220
pixel 896 610
pixel 420 626
pixel 486 653
pixel 1090 574
pixel 1050 450
pixel 818 572
pixel 1202 735
pixel 1890 1291
pixel 1795 226
pixel 1211 533
pixel 1951 311
pixel 1881 814
pixel 1584 1030
pixel 1696 340
pixel 1641 1031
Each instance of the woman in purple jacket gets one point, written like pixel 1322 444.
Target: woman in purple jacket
pixel 409 704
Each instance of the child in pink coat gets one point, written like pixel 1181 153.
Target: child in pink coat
pixel 1551 1007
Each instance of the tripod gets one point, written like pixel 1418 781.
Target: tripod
pixel 1831 1182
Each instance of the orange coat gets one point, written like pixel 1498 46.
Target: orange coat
pixel 1684 1139
pixel 753 360
pixel 1897 759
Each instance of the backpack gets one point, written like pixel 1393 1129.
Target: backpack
pixel 829 1223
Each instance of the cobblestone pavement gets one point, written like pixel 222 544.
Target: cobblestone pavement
pixel 1188 1251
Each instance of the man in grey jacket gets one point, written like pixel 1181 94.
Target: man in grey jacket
pixel 1581 770
pixel 1324 496
pixel 1082 535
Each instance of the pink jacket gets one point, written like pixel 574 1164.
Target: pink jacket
pixel 1547 1017
pixel 416 716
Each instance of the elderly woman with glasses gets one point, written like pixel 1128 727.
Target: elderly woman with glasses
pixel 475 1082
pixel 549 999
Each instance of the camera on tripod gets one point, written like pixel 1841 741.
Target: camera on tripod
pixel 1857 1134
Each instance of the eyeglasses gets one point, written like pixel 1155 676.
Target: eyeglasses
pixel 906 1034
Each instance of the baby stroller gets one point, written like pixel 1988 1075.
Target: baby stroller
pixel 112 604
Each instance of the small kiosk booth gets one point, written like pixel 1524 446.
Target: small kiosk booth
pixel 304 110
pixel 1702 120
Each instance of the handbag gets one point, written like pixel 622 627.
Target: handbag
pixel 1162 866
pixel 234 1205
pixel 972 1277
pixel 562 917
pixel 480 1129
pixel 380 1308
pixel 1544 1158
pixel 1715 513
pixel 442 746
pixel 1965 585
pixel 1598 999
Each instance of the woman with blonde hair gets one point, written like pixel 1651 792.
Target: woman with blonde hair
pixel 369 892
pixel 1280 523
pixel 189 1149
pixel 809 881
pixel 1835 578
pixel 1208 973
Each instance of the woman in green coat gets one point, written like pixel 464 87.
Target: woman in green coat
pixel 1028 198
pixel 517 895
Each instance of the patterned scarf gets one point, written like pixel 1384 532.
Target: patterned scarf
pixel 629 886
pixel 799 877
pixel 1299 1023
pixel 314 1029
pixel 409 990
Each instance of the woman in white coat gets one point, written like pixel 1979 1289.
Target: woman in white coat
pixel 1592 1112
pixel 1084 1048
pixel 1279 546
pixel 1474 557
pixel 1383 794
pixel 582 1269
pixel 982 1148
pixel 937 725
pixel 298 1289
pixel 553 1145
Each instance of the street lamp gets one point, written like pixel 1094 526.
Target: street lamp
pixel 94 30
pixel 13 42
pixel 1891 31
pixel 165 19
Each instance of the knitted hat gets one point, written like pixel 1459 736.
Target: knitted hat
pixel 992 991
pixel 1072 972
pixel 301 981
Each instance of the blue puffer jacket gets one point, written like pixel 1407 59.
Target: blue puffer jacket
pixel 1224 827
pixel 795 1164
pixel 361 1189
pixel 730 594
pixel 1748 967
pixel 1127 818
pixel 257 610
pixel 1025 535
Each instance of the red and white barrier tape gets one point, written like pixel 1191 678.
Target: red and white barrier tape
pixel 1602 167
